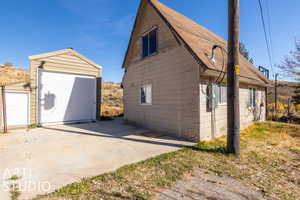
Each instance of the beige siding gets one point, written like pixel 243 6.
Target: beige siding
pixel 61 63
pixel 214 124
pixel 149 19
pixel 24 86
pixel 174 110
pixel 173 74
pixel 178 93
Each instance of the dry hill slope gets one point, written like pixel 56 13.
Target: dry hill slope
pixel 112 99
pixel 10 74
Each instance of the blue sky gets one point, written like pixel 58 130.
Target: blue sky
pixel 100 29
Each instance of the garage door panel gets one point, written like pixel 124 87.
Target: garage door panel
pixel 66 97
pixel 17 105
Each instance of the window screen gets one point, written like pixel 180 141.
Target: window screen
pixel 220 94
pixel 145 46
pixel 252 97
pixel 146 94
pixel 150 43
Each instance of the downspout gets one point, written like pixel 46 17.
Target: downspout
pixel 266 102
pixel 37 97
pixel 4 110
pixel 37 106
pixel 213 110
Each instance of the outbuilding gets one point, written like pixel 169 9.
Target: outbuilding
pixel 64 87
pixel 17 97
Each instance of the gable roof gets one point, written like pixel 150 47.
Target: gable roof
pixel 199 42
pixel 65 51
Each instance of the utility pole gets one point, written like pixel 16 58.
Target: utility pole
pixel 276 104
pixel 4 109
pixel 233 73
pixel 288 110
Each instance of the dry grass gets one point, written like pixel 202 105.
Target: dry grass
pixel 270 163
pixel 285 91
pixel 10 74
pixel 112 99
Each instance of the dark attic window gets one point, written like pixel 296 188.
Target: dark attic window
pixel 150 43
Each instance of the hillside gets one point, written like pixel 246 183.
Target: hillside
pixel 112 99
pixel 285 91
pixel 112 93
pixel 11 74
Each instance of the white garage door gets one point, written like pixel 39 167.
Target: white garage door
pixel 66 98
pixel 17 105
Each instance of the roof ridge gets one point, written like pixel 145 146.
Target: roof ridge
pixel 190 20
pixel 64 51
pixel 184 25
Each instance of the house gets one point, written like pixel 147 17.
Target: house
pixel 64 87
pixel 174 84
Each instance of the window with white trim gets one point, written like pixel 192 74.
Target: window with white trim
pixel 220 94
pixel 146 94
pixel 149 42
pixel 252 97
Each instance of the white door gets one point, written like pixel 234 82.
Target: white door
pixel 17 106
pixel 66 98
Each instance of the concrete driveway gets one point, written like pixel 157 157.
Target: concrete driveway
pixel 48 158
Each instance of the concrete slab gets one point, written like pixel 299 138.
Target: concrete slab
pixel 48 158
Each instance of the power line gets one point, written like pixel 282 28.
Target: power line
pixel 266 37
pixel 269 27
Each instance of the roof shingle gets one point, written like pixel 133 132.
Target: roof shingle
pixel 201 41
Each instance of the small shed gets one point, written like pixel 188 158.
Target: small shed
pixel 17 96
pixel 65 88
pixel 61 87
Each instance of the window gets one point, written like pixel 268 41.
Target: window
pixel 150 43
pixel 252 97
pixel 220 94
pixel 146 94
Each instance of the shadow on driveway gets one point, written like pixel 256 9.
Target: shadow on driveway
pixel 117 129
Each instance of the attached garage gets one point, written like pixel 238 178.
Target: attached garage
pixel 65 88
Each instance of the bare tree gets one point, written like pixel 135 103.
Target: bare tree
pixel 244 51
pixel 290 67
pixel 8 64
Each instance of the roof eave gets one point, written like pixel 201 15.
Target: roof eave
pixel 131 34
pixel 63 51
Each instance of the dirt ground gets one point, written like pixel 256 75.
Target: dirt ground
pixel 206 185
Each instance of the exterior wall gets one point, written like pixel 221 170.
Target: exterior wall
pixel 61 63
pixel 175 109
pixel 147 20
pixel 179 103
pixel 173 74
pixel 209 130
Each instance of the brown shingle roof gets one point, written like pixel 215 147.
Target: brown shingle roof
pixel 200 40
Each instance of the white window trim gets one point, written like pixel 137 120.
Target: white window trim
pixel 155 27
pixel 140 99
pixel 223 103
pixel 251 106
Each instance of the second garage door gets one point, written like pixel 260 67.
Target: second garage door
pixel 17 108
pixel 66 98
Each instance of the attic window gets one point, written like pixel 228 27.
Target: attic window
pixel 150 43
